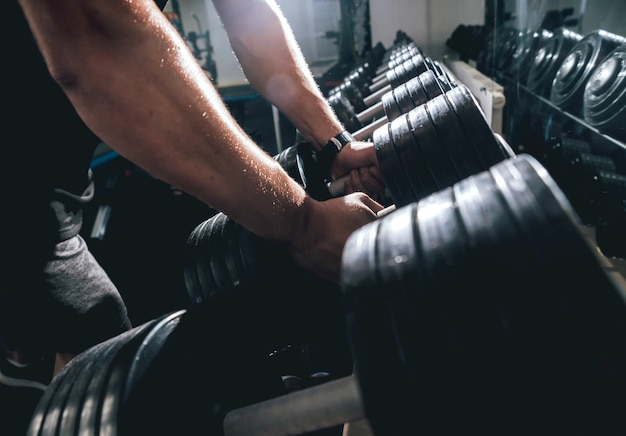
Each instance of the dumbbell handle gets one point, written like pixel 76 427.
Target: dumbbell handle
pixel 375 96
pixel 319 407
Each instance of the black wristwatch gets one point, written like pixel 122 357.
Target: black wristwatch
pixel 327 154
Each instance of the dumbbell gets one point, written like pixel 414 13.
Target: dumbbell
pixel 480 308
pixel 360 100
pixel 394 103
pixel 428 148
pixel 363 74
pixel 511 38
pixel 604 98
pixel 577 67
pixel 524 55
pixel 548 57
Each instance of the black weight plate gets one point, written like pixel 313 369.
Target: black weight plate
pixel 524 54
pixel 390 100
pixel 58 404
pixel 48 415
pixel 491 232
pixel 406 71
pixel 453 138
pixel 248 256
pixel 47 404
pixel 403 56
pixel 208 286
pixel 509 39
pixel 399 269
pixel 542 211
pixel 130 366
pixel 414 159
pixel 476 128
pixel 389 164
pixel 435 157
pixel 219 266
pixel 190 274
pixel 442 240
pixel 446 260
pixel 485 60
pixel 571 77
pixel 415 92
pixel 498 254
pixel 410 165
pixel 402 96
pixel 434 85
pixel 575 324
pixel 232 263
pixel 92 402
pixel 73 407
pixel 604 100
pixel 289 160
pixel 232 254
pixel 548 58
pixel 376 363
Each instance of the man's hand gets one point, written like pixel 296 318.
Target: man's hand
pixel 357 160
pixel 319 245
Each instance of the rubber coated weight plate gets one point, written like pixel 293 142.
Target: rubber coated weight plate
pixel 413 159
pixel 410 166
pixel 290 161
pixel 190 274
pixel 453 139
pixel 398 267
pixel 208 286
pixel 52 420
pixel 548 58
pixel 393 103
pixel 406 71
pixel 570 80
pixel 371 335
pixel 50 397
pixel 491 232
pixel 92 403
pixel 434 156
pixel 73 406
pixel 509 39
pixel 234 265
pixel 46 405
pixel 403 56
pixel 130 365
pixel 218 261
pixel 604 100
pixel 524 55
pixel 476 128
pixel 538 205
pixel 389 163
pixel 435 85
pixel 575 326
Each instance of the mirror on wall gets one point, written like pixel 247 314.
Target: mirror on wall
pixel 329 32
pixel 561 66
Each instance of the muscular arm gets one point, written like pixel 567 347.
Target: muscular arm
pixel 273 63
pixel 134 82
pixel 146 97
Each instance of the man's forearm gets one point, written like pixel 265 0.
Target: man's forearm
pixel 274 65
pixel 145 95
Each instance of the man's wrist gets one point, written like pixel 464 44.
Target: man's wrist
pixel 327 154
